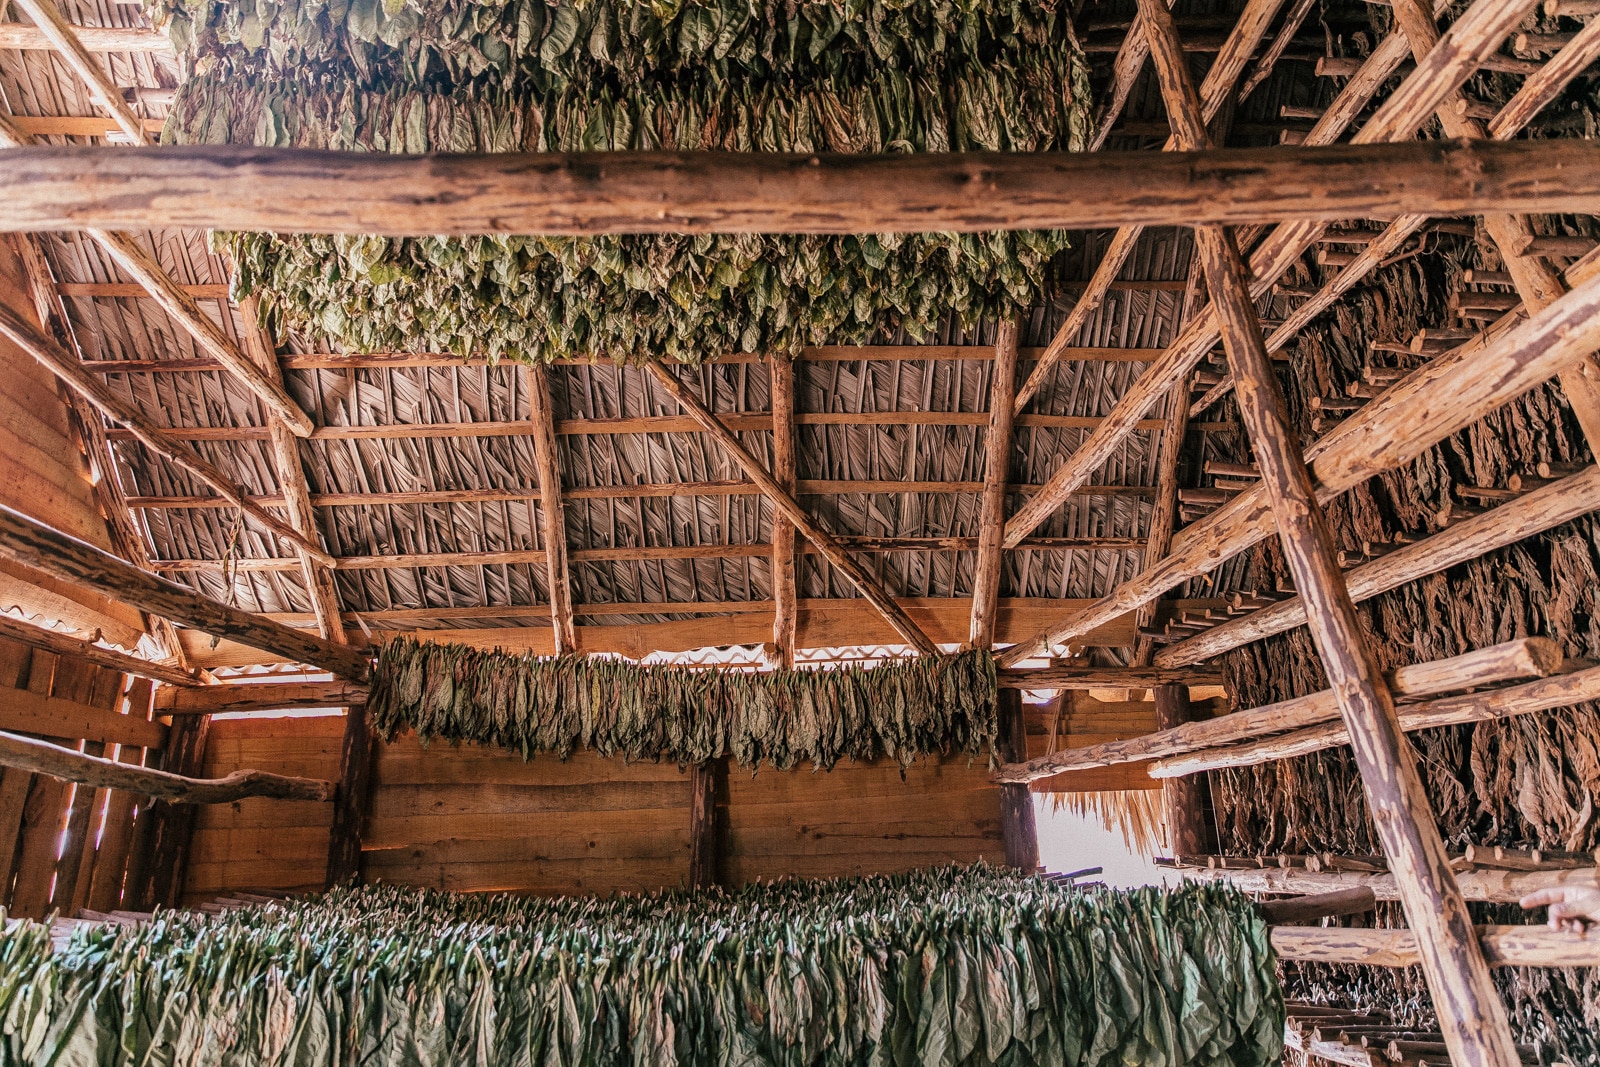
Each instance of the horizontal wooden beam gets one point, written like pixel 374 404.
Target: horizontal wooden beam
pixel 22 711
pixel 1349 900
pixel 88 652
pixel 1499 887
pixel 72 125
pixel 300 191
pixel 258 696
pixel 1503 946
pixel 31 543
pixel 41 757
pixel 94 38
pixel 1523 658
pixel 1104 678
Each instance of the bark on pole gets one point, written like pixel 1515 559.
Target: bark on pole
pixel 356 753
pixel 1017 826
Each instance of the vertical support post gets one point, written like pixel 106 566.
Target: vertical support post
pixel 706 780
pixel 997 468
pixel 1471 1015
pixel 1184 801
pixel 785 537
pixel 551 509
pixel 350 800
pixel 157 877
pixel 1017 827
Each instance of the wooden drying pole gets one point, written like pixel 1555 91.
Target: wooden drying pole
pixel 1074 677
pixel 74 648
pixel 785 538
pixel 1528 657
pixel 785 504
pixel 996 475
pixel 1494 886
pixel 1543 508
pixel 552 509
pixel 31 543
pixel 1471 1014
pixel 41 757
pixel 1497 946
pixel 69 370
pixel 93 38
pixel 297 190
pixel 258 696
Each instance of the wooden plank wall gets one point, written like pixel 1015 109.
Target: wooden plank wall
pixel 63 847
pixel 472 818
pixel 1086 720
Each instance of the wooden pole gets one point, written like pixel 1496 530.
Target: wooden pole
pixel 1017 827
pixel 552 509
pixel 1498 946
pixel 32 544
pixel 1543 508
pixel 350 798
pixel 1530 657
pixel 1353 900
pixel 1494 886
pixel 1186 801
pixel 987 571
pixel 88 652
pixel 302 191
pixel 1074 677
pixel 42 757
pixel 825 542
pixel 258 696
pixel 93 38
pixel 785 538
pixel 62 35
pixel 1471 1014
pixel 159 440
pixel 1540 90
pixel 705 838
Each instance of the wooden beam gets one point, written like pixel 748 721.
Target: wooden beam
pixel 786 544
pixel 1394 428
pixel 552 511
pixel 1498 946
pixel 69 370
pixel 93 38
pixel 70 765
pixel 88 652
pixel 1540 90
pixel 63 37
pixel 31 543
pixel 1493 886
pixel 1185 801
pixel 825 542
pixel 1125 71
pixel 301 191
pixel 1072 677
pixel 350 799
pixel 1471 1013
pixel 705 838
pixel 258 696
pixel 1280 44
pixel 1352 900
pixel 987 570
pixel 1018 831
pixel 1559 691
pixel 1531 513
pixel 23 711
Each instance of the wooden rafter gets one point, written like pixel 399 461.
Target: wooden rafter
pixel 63 37
pixel 74 648
pixel 552 509
pixel 826 544
pixel 1472 1016
pixel 786 545
pixel 987 571
pixel 93 38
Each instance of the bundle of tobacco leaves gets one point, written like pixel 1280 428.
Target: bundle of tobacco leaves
pixel 852 76
pixel 943 968
pixel 901 710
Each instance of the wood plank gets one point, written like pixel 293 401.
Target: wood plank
pixel 406 762
pixel 445 802
pixel 94 38
pixel 565 841
pixel 786 541
pixel 50 716
pixel 61 644
pixel 1017 827
pixel 705 829
pixel 393 834
pixel 261 813
pixel 567 879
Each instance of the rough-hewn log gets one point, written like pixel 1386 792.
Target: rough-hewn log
pixel 31 543
pixel 1531 513
pixel 1280 44
pixel 1125 71
pixel 1453 391
pixel 785 504
pixel 1540 89
pixel 1471 1014
pixel 785 538
pixel 298 190
pixel 105 92
pixel 163 442
pixel 1071 677
pixel 261 696
pixel 1562 690
pixel 996 475
pixel 1501 946
pixel 1018 831
pixel 41 757
pixel 552 511
pixel 350 799
pixel 1185 802
pixel 74 648
pixel 705 836
pixel 94 38
pixel 1499 887
pixel 1350 900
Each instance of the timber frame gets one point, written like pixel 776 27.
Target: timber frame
pixel 1253 215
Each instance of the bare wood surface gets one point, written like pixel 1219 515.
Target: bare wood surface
pixel 1184 801
pixel 1562 690
pixel 1542 509
pixel 705 836
pixel 552 510
pixel 825 542
pixel 75 648
pixel 987 569
pixel 58 716
pixel 41 757
pixel 63 37
pixel 25 541
pixel 785 538
pixel 258 696
pixel 1071 677
pixel 93 38
pixel 1500 946
pixel 1494 886
pixel 1018 829
pixel 303 191
pixel 1351 900
pixel 69 370
pixel 350 799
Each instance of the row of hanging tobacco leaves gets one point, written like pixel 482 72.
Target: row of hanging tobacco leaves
pixel 900 710
pixel 854 76
pixel 944 968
